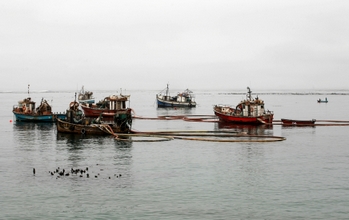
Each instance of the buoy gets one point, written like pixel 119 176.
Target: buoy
pixel 10 120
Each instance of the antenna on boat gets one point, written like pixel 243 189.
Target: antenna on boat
pixel 28 89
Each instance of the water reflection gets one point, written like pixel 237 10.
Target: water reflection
pixel 175 111
pixel 30 126
pixel 74 141
pixel 26 134
pixel 80 144
pixel 249 129
pixel 106 157
pixel 123 144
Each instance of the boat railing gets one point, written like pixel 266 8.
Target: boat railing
pixel 223 105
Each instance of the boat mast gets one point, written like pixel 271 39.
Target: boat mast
pixel 28 90
pixel 249 96
pixel 167 91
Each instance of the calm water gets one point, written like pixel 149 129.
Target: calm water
pixel 304 177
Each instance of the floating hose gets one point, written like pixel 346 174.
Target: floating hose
pixel 213 118
pixel 158 138
pixel 216 136
pixel 258 138
pixel 193 135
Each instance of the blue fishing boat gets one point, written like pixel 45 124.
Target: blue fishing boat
pixel 183 99
pixel 86 96
pixel 25 111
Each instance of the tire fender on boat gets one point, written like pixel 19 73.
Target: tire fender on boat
pixel 83 131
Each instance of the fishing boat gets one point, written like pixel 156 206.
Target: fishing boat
pixel 25 111
pixel 297 122
pixel 183 99
pixel 249 111
pixel 108 107
pixel 322 101
pixel 86 96
pixel 77 123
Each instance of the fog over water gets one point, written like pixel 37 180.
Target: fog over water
pixel 267 45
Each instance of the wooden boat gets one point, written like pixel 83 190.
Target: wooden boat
pixel 297 122
pixel 26 111
pixel 77 123
pixel 183 99
pixel 108 107
pixel 249 111
pixel 322 101
pixel 86 96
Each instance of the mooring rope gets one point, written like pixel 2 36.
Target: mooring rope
pixel 106 128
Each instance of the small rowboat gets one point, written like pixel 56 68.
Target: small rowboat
pixel 322 101
pixel 297 122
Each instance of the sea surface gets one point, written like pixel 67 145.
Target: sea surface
pixel 303 177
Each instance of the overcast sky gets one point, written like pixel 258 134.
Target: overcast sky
pixel 196 44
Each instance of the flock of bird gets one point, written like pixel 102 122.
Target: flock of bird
pixel 77 172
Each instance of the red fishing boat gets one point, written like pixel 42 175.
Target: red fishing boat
pixel 249 111
pixel 108 107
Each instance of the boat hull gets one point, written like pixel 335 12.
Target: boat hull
pixel 94 129
pixel 106 113
pixel 38 118
pixel 257 120
pixel 297 122
pixel 163 103
pixel 87 101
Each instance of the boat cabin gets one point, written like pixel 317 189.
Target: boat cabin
pixel 114 102
pixel 25 106
pixel 253 107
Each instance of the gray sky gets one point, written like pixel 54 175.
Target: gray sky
pixel 196 44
